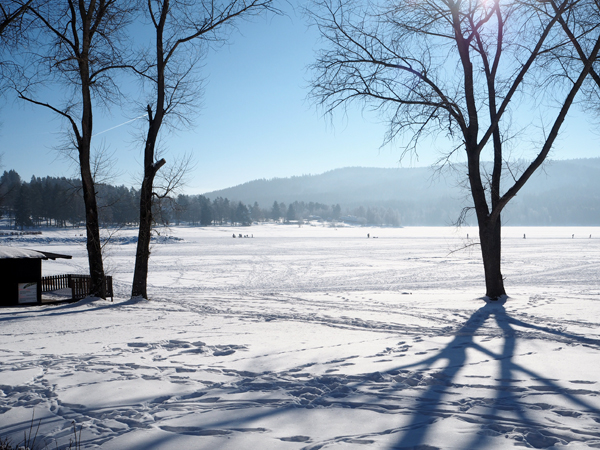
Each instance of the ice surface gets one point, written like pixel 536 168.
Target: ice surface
pixel 314 337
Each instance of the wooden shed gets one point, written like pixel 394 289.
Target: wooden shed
pixel 21 275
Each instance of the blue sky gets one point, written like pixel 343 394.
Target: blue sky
pixel 255 121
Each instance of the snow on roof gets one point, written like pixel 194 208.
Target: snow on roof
pixel 15 252
pixel 25 253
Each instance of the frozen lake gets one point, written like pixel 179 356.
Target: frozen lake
pixel 315 258
pixel 315 337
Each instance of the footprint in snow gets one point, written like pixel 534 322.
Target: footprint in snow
pixel 295 439
pixel 138 344
pixel 162 399
pixel 192 431
pixel 223 352
pixel 538 440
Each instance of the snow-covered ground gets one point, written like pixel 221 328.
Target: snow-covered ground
pixel 314 338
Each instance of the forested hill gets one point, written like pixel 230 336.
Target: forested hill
pixel 563 193
pixel 349 186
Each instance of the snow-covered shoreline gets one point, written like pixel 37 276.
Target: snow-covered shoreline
pixel 315 337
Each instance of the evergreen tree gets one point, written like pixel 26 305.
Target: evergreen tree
pixel 183 205
pixel 291 213
pixel 256 213
pixel 242 215
pixel 194 212
pixel 37 206
pixel 275 212
pixel 337 212
pixel 206 212
pixel 23 208
pixel 10 183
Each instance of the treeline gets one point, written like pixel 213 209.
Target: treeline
pixel 199 210
pixel 58 202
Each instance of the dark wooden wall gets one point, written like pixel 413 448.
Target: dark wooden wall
pixel 15 271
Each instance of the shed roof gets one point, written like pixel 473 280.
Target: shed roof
pixel 7 252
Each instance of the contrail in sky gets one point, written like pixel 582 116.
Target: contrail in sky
pixel 120 125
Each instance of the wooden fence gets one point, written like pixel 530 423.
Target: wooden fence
pixel 80 285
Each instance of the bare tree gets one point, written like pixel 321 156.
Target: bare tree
pixel 78 48
pixel 182 30
pixel 13 21
pixel 11 12
pixel 462 70
pixel 577 25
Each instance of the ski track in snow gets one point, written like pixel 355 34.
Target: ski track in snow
pixel 314 339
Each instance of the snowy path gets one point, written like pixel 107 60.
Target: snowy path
pixel 310 338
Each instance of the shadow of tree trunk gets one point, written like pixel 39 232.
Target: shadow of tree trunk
pixel 495 421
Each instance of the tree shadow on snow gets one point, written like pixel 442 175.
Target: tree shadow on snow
pixel 65 308
pixel 422 394
pixel 502 409
pixel 506 413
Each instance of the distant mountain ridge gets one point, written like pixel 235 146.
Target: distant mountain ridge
pixel 565 192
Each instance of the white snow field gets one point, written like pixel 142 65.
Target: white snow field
pixel 313 338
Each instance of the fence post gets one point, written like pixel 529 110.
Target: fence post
pixel 109 287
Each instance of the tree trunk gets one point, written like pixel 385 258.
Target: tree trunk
pixel 94 248
pixel 142 255
pixel 92 224
pixel 490 234
pixel 490 229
